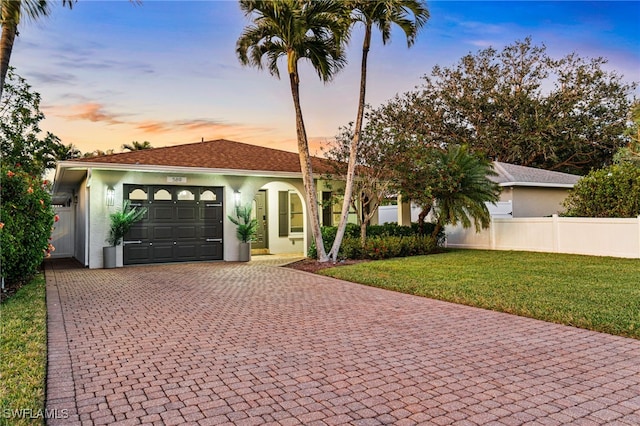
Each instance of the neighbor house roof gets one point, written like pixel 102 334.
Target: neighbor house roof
pixel 514 175
pixel 216 154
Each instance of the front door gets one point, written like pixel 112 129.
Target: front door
pixel 260 209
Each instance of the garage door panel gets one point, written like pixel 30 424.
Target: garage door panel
pixel 186 251
pixel 187 213
pixel 186 232
pixel 137 253
pixel 162 232
pixel 138 232
pixel 162 252
pixel 212 231
pixel 211 251
pixel 212 211
pixel 162 213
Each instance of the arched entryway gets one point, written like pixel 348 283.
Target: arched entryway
pixel 281 213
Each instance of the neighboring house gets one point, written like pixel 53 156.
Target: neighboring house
pixel 532 192
pixel 526 192
pixel 189 190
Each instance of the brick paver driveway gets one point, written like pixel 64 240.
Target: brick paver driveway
pixel 217 343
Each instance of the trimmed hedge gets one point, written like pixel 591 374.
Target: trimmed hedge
pixel 383 241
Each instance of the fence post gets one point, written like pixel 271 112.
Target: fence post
pixel 492 233
pixel 555 233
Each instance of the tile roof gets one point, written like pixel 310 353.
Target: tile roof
pixel 514 174
pixel 215 154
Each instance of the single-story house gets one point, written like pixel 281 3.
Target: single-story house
pixel 532 192
pixel 189 191
pixel 526 192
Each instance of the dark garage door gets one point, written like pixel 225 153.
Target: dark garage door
pixel 183 223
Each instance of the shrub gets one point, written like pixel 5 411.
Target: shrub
pixel 351 247
pixel 26 220
pixel 613 191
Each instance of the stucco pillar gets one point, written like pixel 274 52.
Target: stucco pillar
pixel 404 212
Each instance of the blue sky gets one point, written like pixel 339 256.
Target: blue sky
pixel 111 72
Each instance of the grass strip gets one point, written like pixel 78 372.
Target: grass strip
pixel 596 293
pixel 23 355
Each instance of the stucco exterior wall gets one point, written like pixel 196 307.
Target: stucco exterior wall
pixel 534 202
pixel 93 205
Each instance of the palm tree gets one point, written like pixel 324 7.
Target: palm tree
pixel 137 146
pixel 410 16
pixel 466 188
pixel 11 11
pixel 296 29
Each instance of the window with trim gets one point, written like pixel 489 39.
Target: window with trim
pixel 290 214
pixel 332 210
pixel 296 216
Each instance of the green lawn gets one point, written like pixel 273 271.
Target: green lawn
pixel 23 354
pixel 597 293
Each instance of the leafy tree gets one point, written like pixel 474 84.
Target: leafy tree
pixel 137 146
pixel 296 29
pixel 631 152
pixel 20 139
pixel 520 106
pixel 410 16
pixel 372 173
pixel 613 191
pixel 11 13
pixel 26 218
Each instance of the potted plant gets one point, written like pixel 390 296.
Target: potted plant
pixel 246 230
pixel 120 223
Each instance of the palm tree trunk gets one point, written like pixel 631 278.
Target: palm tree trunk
pixel 6 46
pixel 353 151
pixel 307 172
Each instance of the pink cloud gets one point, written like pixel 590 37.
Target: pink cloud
pixel 90 111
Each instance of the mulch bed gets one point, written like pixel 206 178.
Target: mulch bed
pixel 313 266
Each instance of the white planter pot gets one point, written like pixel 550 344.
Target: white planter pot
pixel 245 252
pixel 109 257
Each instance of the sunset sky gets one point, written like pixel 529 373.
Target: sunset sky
pixel 112 72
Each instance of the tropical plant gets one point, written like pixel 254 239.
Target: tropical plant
pixel 20 136
pixel 137 146
pixel 122 220
pixel 11 13
pixel 464 190
pixel 246 226
pixel 410 16
pixel 296 29
pixel 98 153
pixel 67 152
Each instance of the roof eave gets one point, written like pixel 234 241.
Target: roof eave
pixel 168 169
pixel 539 184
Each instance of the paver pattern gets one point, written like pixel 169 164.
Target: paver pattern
pixel 249 344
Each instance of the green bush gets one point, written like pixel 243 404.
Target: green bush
pixel 26 220
pixel 613 191
pixel 352 249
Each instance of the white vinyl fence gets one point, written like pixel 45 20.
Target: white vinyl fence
pixel 591 236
